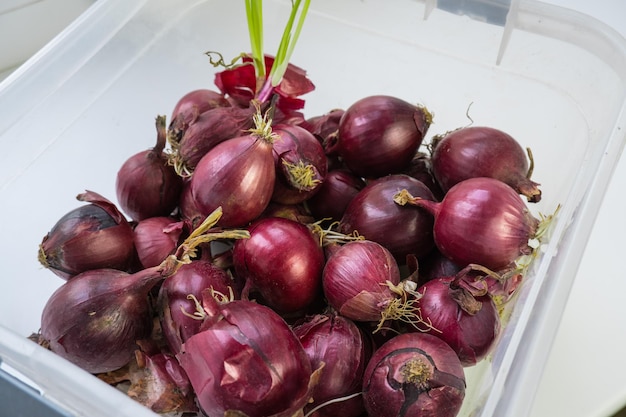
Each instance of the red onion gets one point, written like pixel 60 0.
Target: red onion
pixel 479 151
pixel 146 185
pixel 300 164
pixel 156 238
pixel 361 281
pixel 414 375
pixel 466 320
pixel 179 294
pixel 334 195
pixel 420 168
pixel 238 175
pixel 196 102
pixel 190 143
pixel 282 261
pixel 344 350
pixel 324 127
pixel 480 221
pixel 401 230
pixel 378 135
pixel 246 361
pixel 92 236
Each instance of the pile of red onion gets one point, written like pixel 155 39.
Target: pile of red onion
pixel 263 263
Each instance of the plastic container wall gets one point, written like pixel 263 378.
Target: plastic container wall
pixel 554 80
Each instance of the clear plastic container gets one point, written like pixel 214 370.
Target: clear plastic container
pixel 554 79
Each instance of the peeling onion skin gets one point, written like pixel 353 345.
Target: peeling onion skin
pixel 414 375
pixel 482 221
pixel 379 135
pixel 246 359
pixel 480 151
pixel 471 334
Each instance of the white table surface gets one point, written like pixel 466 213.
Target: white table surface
pixel 584 375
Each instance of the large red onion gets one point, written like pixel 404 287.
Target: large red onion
pixel 414 375
pixel 238 175
pixel 301 164
pixel 379 135
pixel 246 361
pixel 146 185
pixel 402 230
pixel 92 236
pixel 479 151
pixel 468 322
pixel 344 350
pixel 282 261
pixel 480 221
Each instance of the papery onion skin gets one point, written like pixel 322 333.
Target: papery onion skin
pixel 174 305
pixel 470 333
pixel 146 185
pixel 88 237
pixel 378 135
pixel 95 319
pixel 414 375
pixel 481 151
pixel 282 261
pixel 195 102
pixel 157 237
pixel 402 230
pixel 340 186
pixel 354 280
pixel 247 360
pixel 482 221
pixel 238 175
pixel 301 164
pixel 344 350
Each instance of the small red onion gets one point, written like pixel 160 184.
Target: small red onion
pixel 282 261
pixel 338 189
pixel 178 296
pixel 414 375
pixel 238 175
pixel 468 322
pixel 301 164
pixel 146 185
pixel 378 135
pixel 197 102
pixel 402 230
pixel 246 361
pixel 92 236
pixel 344 350
pixel 156 238
pixel 479 151
pixel 480 221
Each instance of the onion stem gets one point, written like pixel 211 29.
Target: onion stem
pixel 254 13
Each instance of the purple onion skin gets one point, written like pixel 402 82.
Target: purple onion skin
pixel 379 135
pixel 247 359
pixel 344 349
pixel 468 324
pixel 435 265
pixel 402 230
pixel 297 147
pixel 479 151
pixel 190 279
pixel 340 186
pixel 482 221
pixel 414 375
pixel 283 262
pixel 157 237
pixel 95 319
pixel 197 102
pixel 354 279
pixel 92 236
pixel 146 185
pixel 420 168
pixel 238 175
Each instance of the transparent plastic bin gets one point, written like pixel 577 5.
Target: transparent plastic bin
pixel 70 116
